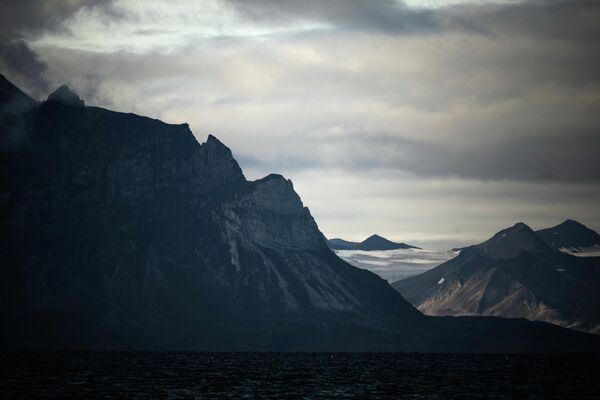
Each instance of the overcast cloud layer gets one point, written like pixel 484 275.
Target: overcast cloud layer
pixel 432 125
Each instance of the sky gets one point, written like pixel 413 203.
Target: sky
pixel 435 123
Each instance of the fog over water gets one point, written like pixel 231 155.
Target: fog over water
pixel 394 265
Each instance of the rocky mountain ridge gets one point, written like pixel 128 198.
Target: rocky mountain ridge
pixel 514 274
pixel 122 232
pixel 124 225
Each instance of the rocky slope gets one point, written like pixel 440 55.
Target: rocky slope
pixel 514 274
pixel 123 232
pixel 118 226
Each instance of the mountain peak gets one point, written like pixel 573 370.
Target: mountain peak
pixel 570 235
pixel 217 163
pixel 571 222
pixel 66 96
pixel 511 241
pixel 518 227
pixel 376 242
pixel 12 99
pixel 213 143
pixel 213 139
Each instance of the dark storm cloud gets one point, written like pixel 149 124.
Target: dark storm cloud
pixel 574 20
pixel 528 159
pixel 380 15
pixel 543 158
pixel 571 19
pixel 25 19
pixel 501 91
pixel 564 54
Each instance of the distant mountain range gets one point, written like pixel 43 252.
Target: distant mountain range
pixel 373 242
pixel 518 273
pixel 119 231
pixel 571 237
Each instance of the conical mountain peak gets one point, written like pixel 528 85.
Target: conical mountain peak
pixel 66 96
pixel 569 235
pixel 376 242
pixel 571 222
pixel 511 241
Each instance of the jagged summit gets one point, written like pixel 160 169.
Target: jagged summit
pixel 218 163
pixel 66 96
pixel 511 241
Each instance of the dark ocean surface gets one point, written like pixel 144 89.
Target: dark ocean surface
pixel 172 375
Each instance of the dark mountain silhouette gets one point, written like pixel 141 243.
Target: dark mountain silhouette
pixel 341 244
pixel 122 232
pixel 514 274
pixel 65 96
pixel 570 236
pixel 373 242
pixel 511 242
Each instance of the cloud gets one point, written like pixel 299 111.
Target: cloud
pixel 26 19
pixel 457 105
pixel 437 212
pixel 486 113
pixel 375 15
pixel 17 57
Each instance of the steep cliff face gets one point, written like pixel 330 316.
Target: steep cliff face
pixel 118 227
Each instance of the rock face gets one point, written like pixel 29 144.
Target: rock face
pixel 514 274
pixel 372 243
pixel 118 227
pixel 571 236
pixel 123 232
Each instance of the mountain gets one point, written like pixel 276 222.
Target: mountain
pixel 374 242
pixel 510 242
pixel 570 236
pixel 14 106
pixel 119 231
pixel 515 274
pixel 341 244
pixel 116 226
